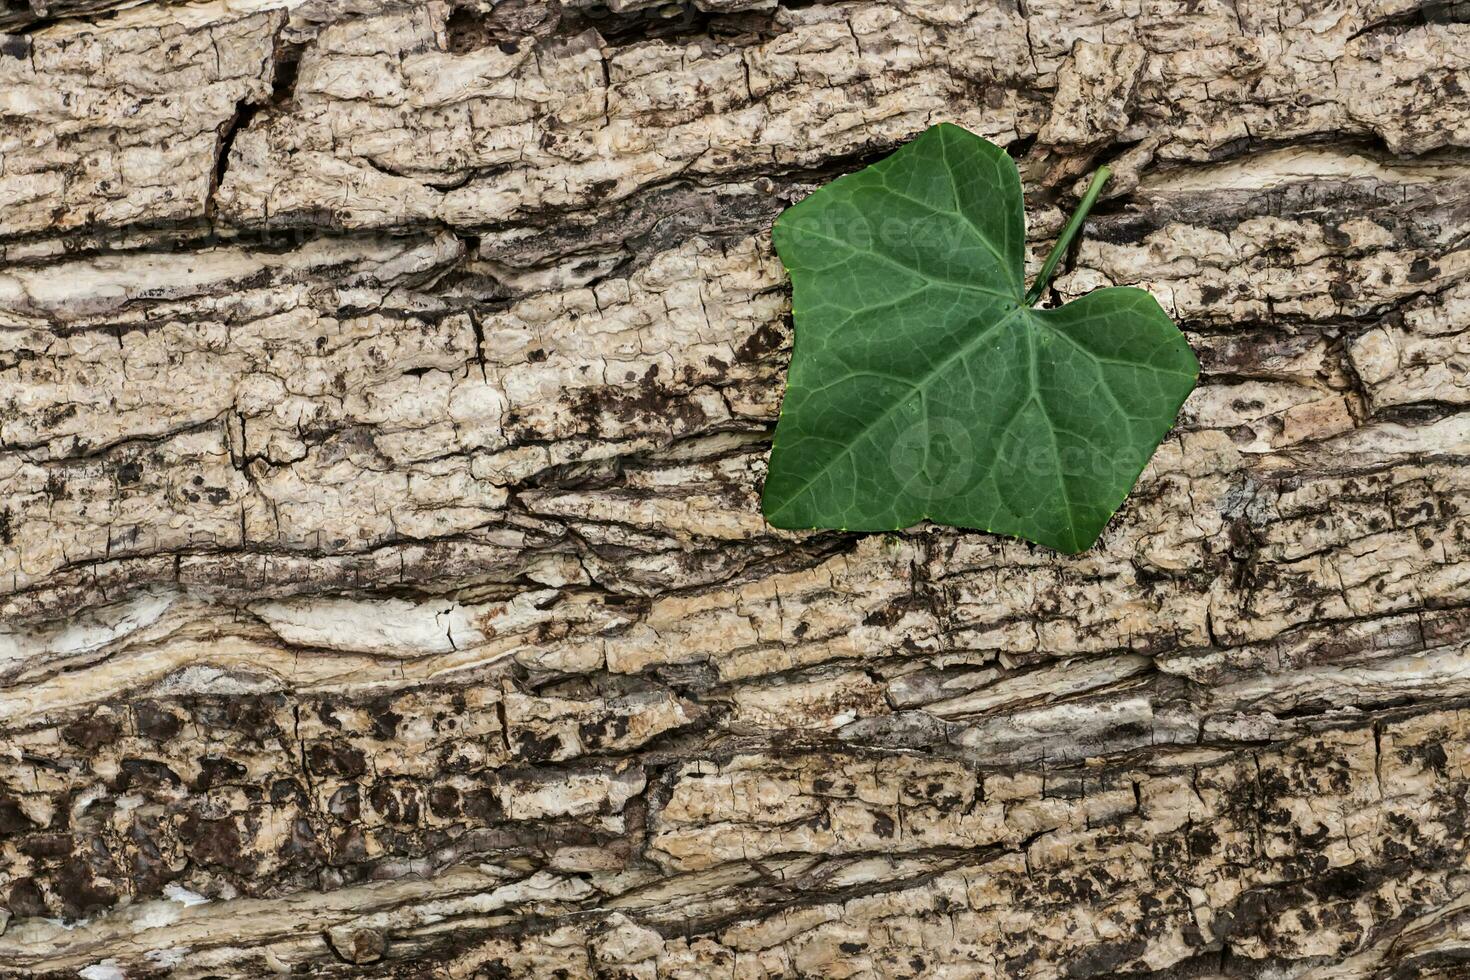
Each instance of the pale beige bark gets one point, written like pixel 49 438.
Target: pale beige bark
pixel 385 390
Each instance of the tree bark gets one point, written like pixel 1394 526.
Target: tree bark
pixel 385 394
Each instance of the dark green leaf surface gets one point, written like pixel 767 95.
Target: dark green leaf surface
pixel 923 386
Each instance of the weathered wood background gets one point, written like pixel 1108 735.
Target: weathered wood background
pixel 385 389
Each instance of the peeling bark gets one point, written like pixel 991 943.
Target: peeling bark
pixel 385 393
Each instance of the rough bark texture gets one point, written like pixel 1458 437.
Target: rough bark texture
pixel 385 389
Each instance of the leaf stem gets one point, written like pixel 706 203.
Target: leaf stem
pixel 1068 233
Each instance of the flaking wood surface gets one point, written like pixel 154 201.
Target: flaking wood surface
pixel 385 394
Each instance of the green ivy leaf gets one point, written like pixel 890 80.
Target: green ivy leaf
pixel 924 384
